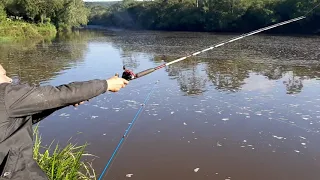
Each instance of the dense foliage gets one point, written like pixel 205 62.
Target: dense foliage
pixel 17 30
pixel 64 14
pixel 207 15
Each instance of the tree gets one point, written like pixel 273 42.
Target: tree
pixel 3 14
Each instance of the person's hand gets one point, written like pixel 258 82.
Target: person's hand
pixel 76 105
pixel 115 83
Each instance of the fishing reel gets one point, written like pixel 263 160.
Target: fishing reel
pixel 127 74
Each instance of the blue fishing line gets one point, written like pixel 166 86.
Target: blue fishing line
pixel 127 131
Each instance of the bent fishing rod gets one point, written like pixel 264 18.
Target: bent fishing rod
pixel 129 75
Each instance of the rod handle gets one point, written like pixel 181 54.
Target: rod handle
pixel 145 72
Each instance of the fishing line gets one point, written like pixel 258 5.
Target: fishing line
pixel 312 9
pixel 127 131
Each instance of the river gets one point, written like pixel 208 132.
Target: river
pixel 245 111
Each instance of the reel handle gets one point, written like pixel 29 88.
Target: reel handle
pixel 145 72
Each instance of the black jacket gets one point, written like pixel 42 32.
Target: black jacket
pixel 21 106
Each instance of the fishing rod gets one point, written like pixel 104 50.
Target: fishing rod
pixel 129 75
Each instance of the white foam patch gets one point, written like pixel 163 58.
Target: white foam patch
pixel 129 175
pixel 303 144
pixel 130 101
pixel 198 111
pixel 225 119
pixel 172 112
pixel 218 144
pixel 184 123
pixel 104 108
pixel 296 151
pixel 64 114
pixel 302 137
pixel 93 117
pixel 278 137
pixel 244 140
pixel 196 169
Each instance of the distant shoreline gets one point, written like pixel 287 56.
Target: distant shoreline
pixel 116 29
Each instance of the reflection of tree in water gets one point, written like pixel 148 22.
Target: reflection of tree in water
pixel 231 75
pixel 129 59
pixel 273 72
pixel 293 84
pixel 35 62
pixel 228 75
pixel 225 75
pixel 188 77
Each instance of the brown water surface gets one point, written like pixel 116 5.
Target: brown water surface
pixel 245 111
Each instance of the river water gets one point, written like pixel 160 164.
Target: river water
pixel 245 111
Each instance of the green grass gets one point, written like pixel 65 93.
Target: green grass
pixel 19 30
pixel 63 164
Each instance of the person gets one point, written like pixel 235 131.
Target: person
pixel 21 106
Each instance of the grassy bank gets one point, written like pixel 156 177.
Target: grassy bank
pixel 19 30
pixel 62 164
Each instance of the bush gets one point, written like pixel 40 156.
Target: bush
pixel 62 164
pixel 3 15
pixel 16 30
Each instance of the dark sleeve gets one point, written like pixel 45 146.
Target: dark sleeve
pixel 29 100
pixel 40 116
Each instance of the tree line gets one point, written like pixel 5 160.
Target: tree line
pixel 207 15
pixel 176 15
pixel 64 14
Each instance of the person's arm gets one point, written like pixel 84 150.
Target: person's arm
pixel 40 116
pixel 28 100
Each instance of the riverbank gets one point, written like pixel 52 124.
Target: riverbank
pixel 213 16
pixel 19 30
